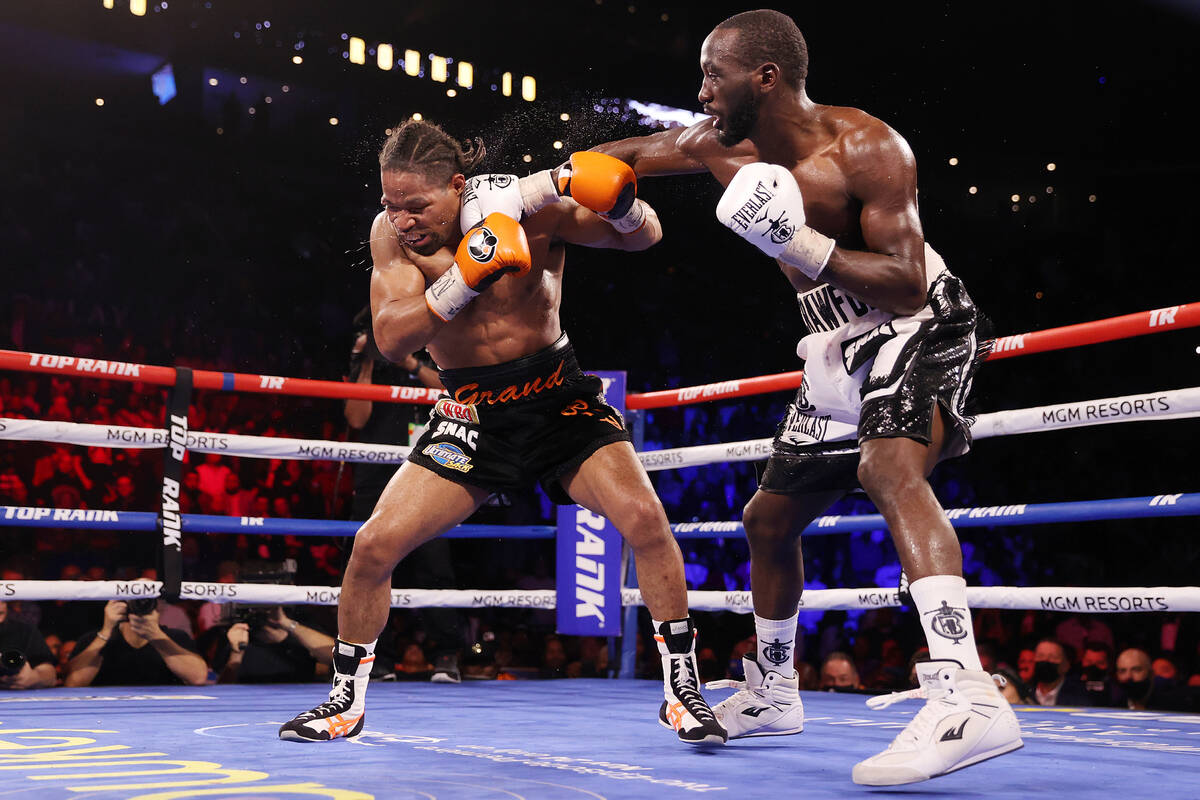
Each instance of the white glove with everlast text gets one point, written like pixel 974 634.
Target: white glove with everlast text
pixel 764 206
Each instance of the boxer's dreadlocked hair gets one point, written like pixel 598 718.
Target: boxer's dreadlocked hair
pixel 418 146
pixel 766 35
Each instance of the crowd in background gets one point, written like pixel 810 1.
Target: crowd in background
pixel 261 271
pixel 869 651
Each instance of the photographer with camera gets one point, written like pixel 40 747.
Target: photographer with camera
pixel 132 649
pixel 266 646
pixel 25 660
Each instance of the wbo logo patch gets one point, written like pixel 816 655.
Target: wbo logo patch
pixel 463 412
pixel 449 456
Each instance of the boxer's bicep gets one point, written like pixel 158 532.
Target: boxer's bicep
pixel 398 308
pixel 885 184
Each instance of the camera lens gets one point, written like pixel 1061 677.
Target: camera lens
pixel 11 662
pixel 141 606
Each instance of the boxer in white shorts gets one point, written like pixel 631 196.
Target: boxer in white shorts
pixel 830 193
pixel 869 374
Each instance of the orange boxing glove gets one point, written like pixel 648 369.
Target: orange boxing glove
pixel 600 182
pixel 604 184
pixel 489 250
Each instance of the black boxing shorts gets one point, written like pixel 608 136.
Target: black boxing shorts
pixel 877 376
pixel 510 425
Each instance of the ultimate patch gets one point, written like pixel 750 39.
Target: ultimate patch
pixel 449 456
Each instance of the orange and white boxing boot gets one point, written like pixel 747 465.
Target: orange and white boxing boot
pixel 965 720
pixel 683 708
pixel 344 713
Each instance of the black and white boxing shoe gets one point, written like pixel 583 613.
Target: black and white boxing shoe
pixel 684 709
pixel 344 713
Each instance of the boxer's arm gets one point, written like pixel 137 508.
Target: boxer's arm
pixel 890 273
pixel 401 318
pixel 663 153
pixel 578 225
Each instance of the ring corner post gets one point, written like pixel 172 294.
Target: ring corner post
pixel 170 518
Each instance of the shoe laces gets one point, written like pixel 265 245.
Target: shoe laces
pixel 684 684
pixel 339 699
pixel 936 705
pixel 920 726
pixel 884 700
pixel 745 693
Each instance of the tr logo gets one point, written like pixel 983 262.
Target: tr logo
pixel 1163 316
pixel 948 623
pixel 777 652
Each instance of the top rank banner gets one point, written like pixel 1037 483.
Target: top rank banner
pixel 588 573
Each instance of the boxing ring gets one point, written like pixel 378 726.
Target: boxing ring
pixel 540 739
pixel 535 740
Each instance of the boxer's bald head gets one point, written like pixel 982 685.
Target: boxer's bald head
pixel 766 36
pixel 749 60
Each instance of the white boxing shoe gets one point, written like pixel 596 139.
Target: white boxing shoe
pixel 965 720
pixel 766 703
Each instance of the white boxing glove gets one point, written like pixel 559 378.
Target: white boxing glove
pixel 506 194
pixel 763 205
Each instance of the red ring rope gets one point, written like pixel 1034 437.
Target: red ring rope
pixel 1084 333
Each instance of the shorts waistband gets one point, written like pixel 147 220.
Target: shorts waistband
pixel 523 379
pixel 827 308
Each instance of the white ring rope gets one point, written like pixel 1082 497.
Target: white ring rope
pixel 1098 600
pixel 1174 404
pixel 230 444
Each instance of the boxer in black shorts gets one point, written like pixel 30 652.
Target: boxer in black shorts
pixel 480 288
pixel 534 419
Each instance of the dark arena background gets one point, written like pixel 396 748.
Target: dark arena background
pixel 191 184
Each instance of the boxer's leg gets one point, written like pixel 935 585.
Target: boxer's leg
pixel 611 482
pixel 416 506
pixel 768 701
pixel 965 719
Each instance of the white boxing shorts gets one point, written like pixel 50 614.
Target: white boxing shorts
pixel 869 374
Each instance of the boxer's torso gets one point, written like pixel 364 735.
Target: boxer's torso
pixel 515 316
pixel 818 157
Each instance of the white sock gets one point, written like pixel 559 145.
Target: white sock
pixel 777 644
pixel 941 602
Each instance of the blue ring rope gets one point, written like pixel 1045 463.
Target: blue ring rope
pixel 1180 505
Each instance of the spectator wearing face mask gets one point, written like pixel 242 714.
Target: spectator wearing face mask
pixel 838 674
pixel 1053 686
pixel 1140 689
pixel 1095 670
